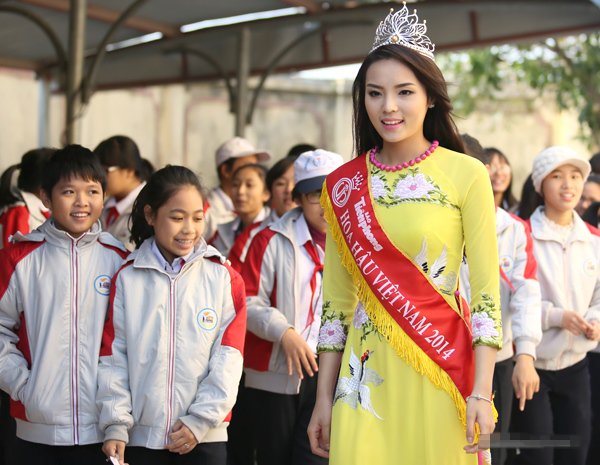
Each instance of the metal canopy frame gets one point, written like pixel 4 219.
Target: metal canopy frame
pixel 338 33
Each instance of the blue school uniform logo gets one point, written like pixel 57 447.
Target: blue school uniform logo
pixel 207 319
pixel 102 284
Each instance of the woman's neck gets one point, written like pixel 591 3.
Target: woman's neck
pixel 394 153
pixel 563 218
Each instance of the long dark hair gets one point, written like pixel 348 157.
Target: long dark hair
pixel 161 186
pixel 438 122
pixel 530 199
pixel 31 170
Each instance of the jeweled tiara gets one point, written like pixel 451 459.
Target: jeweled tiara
pixel 403 28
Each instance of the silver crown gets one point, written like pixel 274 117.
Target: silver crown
pixel 403 28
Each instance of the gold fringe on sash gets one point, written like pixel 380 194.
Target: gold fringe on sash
pixel 404 346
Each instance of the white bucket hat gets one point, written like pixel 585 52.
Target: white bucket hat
pixel 312 167
pixel 551 158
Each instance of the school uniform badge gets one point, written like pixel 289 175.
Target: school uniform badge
pixel 102 284
pixel 207 319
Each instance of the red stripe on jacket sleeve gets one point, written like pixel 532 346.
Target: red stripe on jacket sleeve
pixel 120 252
pixel 235 334
pixel 258 351
pixel 15 219
pixel 108 333
pixel 531 265
pixel 10 258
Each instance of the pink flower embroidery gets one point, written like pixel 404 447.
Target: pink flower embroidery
pixel 483 325
pixel 332 333
pixel 413 187
pixel 360 317
pixel 378 187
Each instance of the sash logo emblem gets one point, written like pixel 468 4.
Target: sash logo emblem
pixel 342 188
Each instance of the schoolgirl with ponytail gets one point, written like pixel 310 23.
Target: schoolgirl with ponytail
pixel 171 357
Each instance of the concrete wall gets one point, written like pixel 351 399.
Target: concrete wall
pixel 185 124
pixel 19 110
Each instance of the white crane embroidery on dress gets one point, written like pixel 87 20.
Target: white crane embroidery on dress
pixel 354 390
pixel 444 282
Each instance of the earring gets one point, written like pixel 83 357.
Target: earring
pixel 431 106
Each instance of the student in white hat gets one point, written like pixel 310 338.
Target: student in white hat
pixel 283 274
pixel 230 156
pixel 567 251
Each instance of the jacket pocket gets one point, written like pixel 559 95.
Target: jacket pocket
pixel 554 342
pixel 47 401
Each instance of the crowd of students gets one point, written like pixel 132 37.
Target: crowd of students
pixel 170 346
pixel 146 320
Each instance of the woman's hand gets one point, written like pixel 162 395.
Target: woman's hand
pixel 525 379
pixel 298 354
pixel 593 332
pixel 479 411
pixel 319 428
pixel 114 448
pixel 182 439
pixel 574 322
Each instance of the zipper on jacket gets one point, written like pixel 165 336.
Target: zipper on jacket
pixel 570 338
pixel 74 342
pixel 171 357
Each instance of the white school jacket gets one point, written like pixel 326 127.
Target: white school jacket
pixel 120 227
pixel 569 275
pixel 520 295
pixel 24 215
pixel 220 210
pixel 53 299
pixel 172 349
pixel 271 273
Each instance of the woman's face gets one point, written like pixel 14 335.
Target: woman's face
pixel 281 192
pixel 249 192
pixel 396 102
pixel 591 193
pixel 500 174
pixel 562 189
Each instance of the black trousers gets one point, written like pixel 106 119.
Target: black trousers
pixel 42 454
pixel 503 399
pixel 207 453
pixel 241 442
pixel 594 364
pixel 281 421
pixel 8 436
pixel 562 408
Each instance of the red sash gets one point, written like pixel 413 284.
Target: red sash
pixel 399 286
